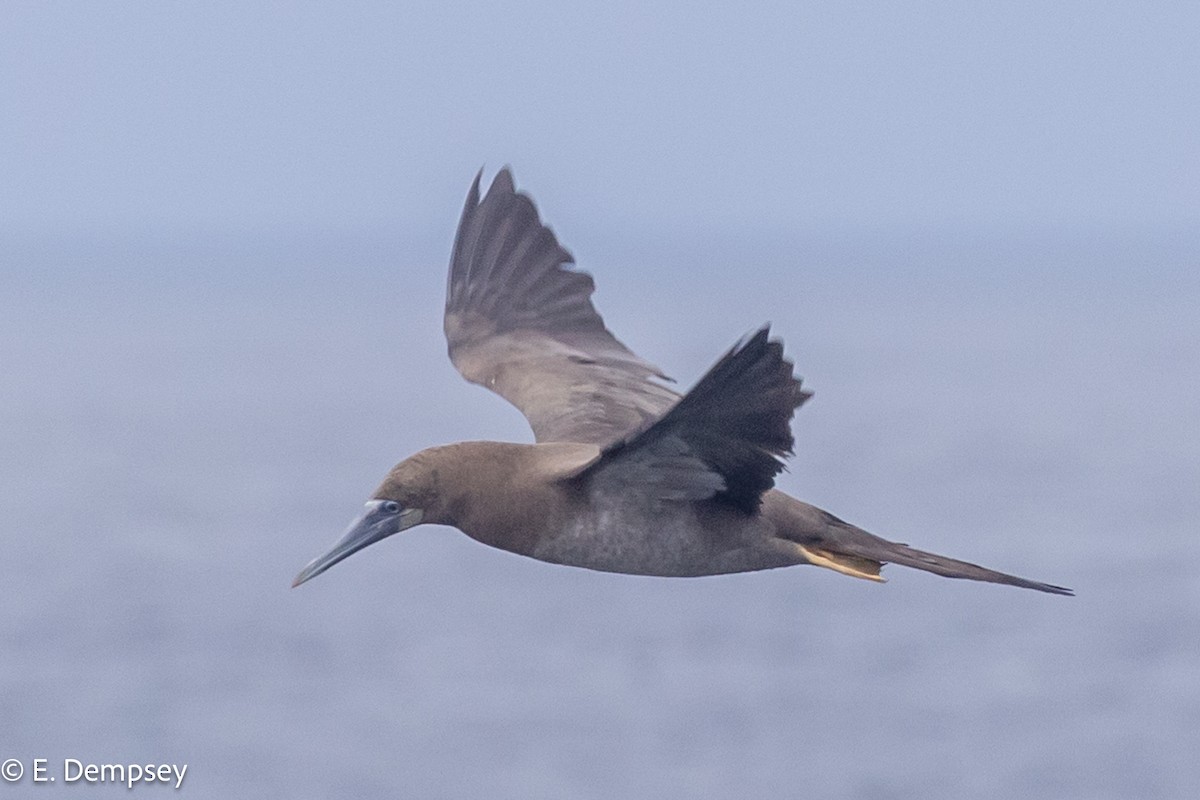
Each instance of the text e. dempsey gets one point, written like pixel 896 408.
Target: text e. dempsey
pixel 75 770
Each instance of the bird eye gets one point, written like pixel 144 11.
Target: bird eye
pixel 391 507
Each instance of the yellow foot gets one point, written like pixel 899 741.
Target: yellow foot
pixel 854 566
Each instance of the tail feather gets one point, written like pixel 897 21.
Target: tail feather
pixel 848 540
pixel 896 553
pixel 829 542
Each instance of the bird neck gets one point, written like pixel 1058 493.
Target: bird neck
pixel 507 495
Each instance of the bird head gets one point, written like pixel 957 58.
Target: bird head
pixel 408 496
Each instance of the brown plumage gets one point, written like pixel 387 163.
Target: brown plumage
pixel 625 475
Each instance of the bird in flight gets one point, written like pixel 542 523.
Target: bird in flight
pixel 626 475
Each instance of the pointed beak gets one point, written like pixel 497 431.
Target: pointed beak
pixel 379 520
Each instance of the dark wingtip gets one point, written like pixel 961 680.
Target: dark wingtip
pixel 473 193
pixel 760 339
pixel 503 182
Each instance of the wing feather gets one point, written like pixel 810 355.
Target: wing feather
pixel 725 439
pixel 520 323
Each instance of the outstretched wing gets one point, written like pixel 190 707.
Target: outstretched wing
pixel 517 322
pixel 723 440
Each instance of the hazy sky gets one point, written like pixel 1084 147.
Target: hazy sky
pixel 131 118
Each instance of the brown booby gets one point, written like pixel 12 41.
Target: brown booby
pixel 626 475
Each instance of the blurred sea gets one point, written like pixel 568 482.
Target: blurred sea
pixel 183 427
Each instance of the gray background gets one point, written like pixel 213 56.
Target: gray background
pixel 223 238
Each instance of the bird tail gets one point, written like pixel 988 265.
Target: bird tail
pixel 881 551
pixel 826 541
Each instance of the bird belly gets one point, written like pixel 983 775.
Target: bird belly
pixel 664 544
